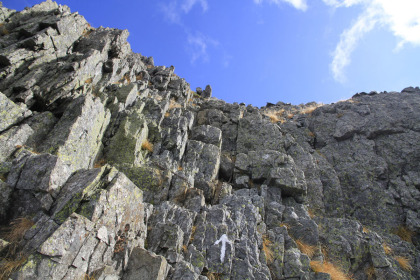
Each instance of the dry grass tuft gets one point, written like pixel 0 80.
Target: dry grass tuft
pixel 185 248
pixel 290 115
pixel 404 233
pixel 146 145
pixel 287 226
pixel 17 228
pixel 365 230
pixel 8 266
pixel 404 262
pixel 89 81
pixel 99 163
pixel 193 229
pixel 311 213
pixel 370 272
pixel 174 104
pixel 275 116
pixel 87 277
pixel 180 168
pixel 267 244
pixel 310 109
pixel 387 249
pixel 139 77
pixel 213 276
pixel 306 249
pixel 335 272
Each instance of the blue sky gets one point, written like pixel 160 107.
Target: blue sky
pixel 258 51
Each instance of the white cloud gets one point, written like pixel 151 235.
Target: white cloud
pixel 188 4
pixel 401 17
pixel 171 12
pixel 197 47
pixel 298 4
pixel 174 9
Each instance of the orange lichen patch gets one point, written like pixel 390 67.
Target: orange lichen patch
pixel 404 263
pixel 404 233
pixel 146 145
pixel 267 244
pixel 334 271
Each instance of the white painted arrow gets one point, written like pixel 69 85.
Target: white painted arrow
pixel 224 239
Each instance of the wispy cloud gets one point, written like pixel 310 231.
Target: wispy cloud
pixel 298 4
pixel 197 44
pixel 348 41
pixel 188 4
pixel 401 17
pixel 174 10
pixel 197 47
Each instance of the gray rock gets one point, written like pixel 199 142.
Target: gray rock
pixel 207 92
pixel 10 113
pixel 5 193
pixel 12 139
pixel 144 265
pixel 207 134
pixel 125 147
pixel 82 125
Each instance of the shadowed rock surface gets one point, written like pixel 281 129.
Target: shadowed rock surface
pixel 112 168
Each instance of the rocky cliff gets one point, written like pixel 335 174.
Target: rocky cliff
pixel 112 168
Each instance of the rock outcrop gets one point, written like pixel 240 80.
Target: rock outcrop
pixel 112 168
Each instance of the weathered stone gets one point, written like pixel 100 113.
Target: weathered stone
pixel 207 92
pixel 10 113
pixel 12 139
pixel 5 193
pixel 207 134
pixel 202 159
pixel 144 265
pixel 76 139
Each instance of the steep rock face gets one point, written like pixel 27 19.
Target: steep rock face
pixel 112 168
